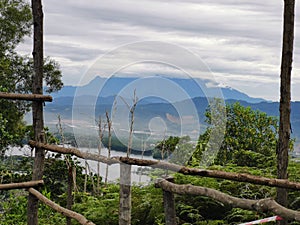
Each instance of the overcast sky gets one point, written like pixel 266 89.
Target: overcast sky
pixel 239 40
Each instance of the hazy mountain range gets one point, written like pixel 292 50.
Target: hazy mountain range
pixel 92 101
pixel 110 87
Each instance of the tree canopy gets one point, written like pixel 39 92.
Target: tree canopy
pixel 16 70
pixel 250 138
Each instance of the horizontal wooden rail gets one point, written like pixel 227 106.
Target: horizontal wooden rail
pixel 73 151
pixel 262 205
pixel 66 212
pixel 21 185
pixel 27 97
pixel 240 177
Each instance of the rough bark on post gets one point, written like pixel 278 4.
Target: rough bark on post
pixel 125 195
pixel 37 107
pixel 169 205
pixel 285 99
pixel 69 192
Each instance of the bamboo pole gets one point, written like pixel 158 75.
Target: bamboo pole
pixel 26 97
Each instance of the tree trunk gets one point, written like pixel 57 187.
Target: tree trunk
pixel 285 96
pixel 285 99
pixel 37 107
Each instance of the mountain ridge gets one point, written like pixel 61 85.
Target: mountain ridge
pixel 104 87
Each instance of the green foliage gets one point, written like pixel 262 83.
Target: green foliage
pixel 165 148
pixel 250 138
pixel 147 205
pixel 103 209
pixel 5 137
pixel 15 23
pixel 212 211
pixel 13 210
pixel 241 215
pixel 16 71
pixel 49 137
pixel 183 151
pixel 100 210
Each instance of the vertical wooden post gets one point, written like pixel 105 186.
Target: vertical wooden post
pixel 169 205
pixel 125 195
pixel 285 99
pixel 37 106
pixel 69 192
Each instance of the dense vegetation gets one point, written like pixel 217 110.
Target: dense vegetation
pixel 16 70
pixel 243 153
pixel 249 146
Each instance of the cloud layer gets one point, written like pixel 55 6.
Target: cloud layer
pixel 240 41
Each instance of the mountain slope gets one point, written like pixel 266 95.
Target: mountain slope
pixel 110 87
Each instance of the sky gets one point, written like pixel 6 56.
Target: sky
pixel 238 40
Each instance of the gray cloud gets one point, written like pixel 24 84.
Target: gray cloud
pixel 240 40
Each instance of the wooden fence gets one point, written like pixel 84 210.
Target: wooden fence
pixel 169 188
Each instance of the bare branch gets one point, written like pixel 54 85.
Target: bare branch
pixel 126 103
pixel 66 212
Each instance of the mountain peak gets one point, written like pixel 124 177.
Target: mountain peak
pixel 114 85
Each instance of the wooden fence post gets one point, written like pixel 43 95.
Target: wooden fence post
pixel 169 204
pixel 37 107
pixel 125 195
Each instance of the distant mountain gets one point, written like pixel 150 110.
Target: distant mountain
pixel 192 87
pixel 98 96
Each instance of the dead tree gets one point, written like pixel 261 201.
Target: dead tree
pixel 100 135
pixel 68 161
pixel 125 172
pixel 109 126
pixel 37 106
pixel 285 98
